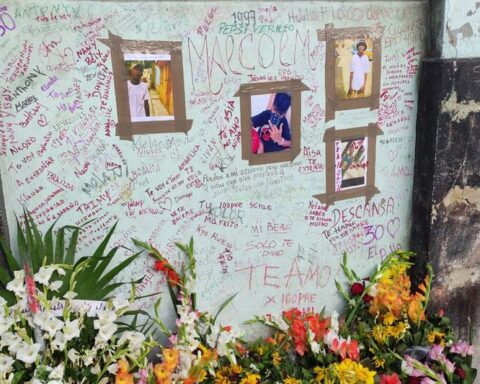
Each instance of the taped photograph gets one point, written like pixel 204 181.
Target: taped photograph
pixel 149 86
pixel 150 91
pixel 271 122
pixel 350 156
pixel 353 67
pixel 351 163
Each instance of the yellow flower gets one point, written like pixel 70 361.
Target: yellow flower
pixel 399 330
pixel 380 334
pixel 436 337
pixel 291 380
pixel 261 350
pixel 379 363
pixel 320 374
pixel 251 378
pixel 351 372
pixel 276 359
pixel 235 369
pixel 202 376
pixel 221 379
pixel 388 318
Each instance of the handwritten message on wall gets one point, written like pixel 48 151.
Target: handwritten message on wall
pixel 258 229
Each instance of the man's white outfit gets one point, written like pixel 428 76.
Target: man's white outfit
pixel 360 66
pixel 137 94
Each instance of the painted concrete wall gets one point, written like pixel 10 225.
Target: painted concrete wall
pixel 259 230
pixel 461 34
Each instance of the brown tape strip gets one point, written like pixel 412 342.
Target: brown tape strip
pixel 125 127
pixel 245 91
pixel 369 190
pixel 330 35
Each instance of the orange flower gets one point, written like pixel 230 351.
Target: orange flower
pixel 161 372
pixel 122 366
pixel 122 376
pixel 415 310
pixel 190 380
pixel 317 325
pixel 299 334
pixel 170 355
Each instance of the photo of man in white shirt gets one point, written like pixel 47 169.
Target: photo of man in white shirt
pixel 138 95
pixel 359 70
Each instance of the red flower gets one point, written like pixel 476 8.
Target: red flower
pixel 357 289
pixel 460 372
pixel 160 266
pixel 227 328
pixel 390 379
pixel 414 380
pixel 173 277
pixel 367 298
pixel 317 325
pixel 353 351
pixel 291 314
pixel 299 334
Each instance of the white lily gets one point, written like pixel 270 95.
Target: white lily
pixel 52 325
pixel 28 353
pixel 57 372
pixel 44 274
pixel 6 363
pixel 71 329
pixel 17 285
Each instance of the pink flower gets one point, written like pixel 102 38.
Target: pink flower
pixel 173 340
pixel 142 376
pixel 436 353
pixel 449 365
pixel 408 367
pixel 427 380
pixel 462 348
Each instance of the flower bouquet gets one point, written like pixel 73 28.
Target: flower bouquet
pixel 63 340
pixel 194 348
pixel 400 338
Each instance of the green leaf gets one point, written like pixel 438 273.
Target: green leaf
pixel 22 245
pixel 223 305
pixel 115 271
pixel 72 247
pixel 39 248
pixel 48 240
pixel 141 244
pixel 103 293
pixel 5 276
pixel 103 245
pixel 93 272
pixel 60 247
pixel 11 262
pixel 417 337
pixel 182 247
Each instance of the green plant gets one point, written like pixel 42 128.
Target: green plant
pixel 93 274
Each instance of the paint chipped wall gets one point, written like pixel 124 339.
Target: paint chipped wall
pixel 446 218
pixel 461 36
